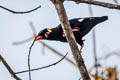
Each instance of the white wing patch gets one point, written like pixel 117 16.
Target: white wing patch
pixel 80 20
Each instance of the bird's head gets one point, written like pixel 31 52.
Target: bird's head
pixel 43 34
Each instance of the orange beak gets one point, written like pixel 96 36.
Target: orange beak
pixel 38 38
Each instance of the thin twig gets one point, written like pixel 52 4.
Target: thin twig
pixel 23 41
pixel 58 53
pixel 97 3
pixel 32 28
pixel 43 66
pixel 116 1
pixel 90 9
pixel 109 55
pixel 50 48
pixel 28 39
pixel 29 59
pixel 43 49
pixel 94 45
pixel 9 68
pixel 15 12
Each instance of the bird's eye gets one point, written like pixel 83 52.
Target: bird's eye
pixel 80 20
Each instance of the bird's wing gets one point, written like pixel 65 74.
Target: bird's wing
pixel 75 30
pixel 76 24
pixel 76 27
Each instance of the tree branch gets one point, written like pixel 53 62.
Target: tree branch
pixel 43 66
pixel 57 53
pixel 29 60
pixel 94 45
pixel 97 3
pixel 70 38
pixel 9 68
pixel 15 12
pixel 114 53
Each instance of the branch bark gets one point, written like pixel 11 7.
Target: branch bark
pixel 97 3
pixel 70 38
pixel 9 68
pixel 15 12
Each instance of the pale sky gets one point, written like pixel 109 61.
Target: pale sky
pixel 15 27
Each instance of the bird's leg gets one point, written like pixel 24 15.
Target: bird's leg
pixel 82 45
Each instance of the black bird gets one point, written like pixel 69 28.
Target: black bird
pixel 80 27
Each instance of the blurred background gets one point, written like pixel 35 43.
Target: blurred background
pixel 17 27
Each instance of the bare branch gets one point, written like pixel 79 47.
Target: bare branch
pixel 29 59
pixel 116 1
pixel 32 28
pixel 57 53
pixel 23 41
pixel 97 3
pixel 94 45
pixel 43 66
pixel 70 38
pixel 15 12
pixel 43 49
pixel 109 55
pixel 9 68
pixel 28 39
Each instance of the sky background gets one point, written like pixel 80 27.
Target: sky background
pixel 15 27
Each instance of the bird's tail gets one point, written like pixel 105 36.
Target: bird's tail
pixel 101 19
pixel 96 20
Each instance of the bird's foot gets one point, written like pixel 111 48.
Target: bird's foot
pixel 81 48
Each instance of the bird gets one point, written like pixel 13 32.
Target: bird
pixel 80 27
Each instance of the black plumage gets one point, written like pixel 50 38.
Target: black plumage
pixel 80 27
